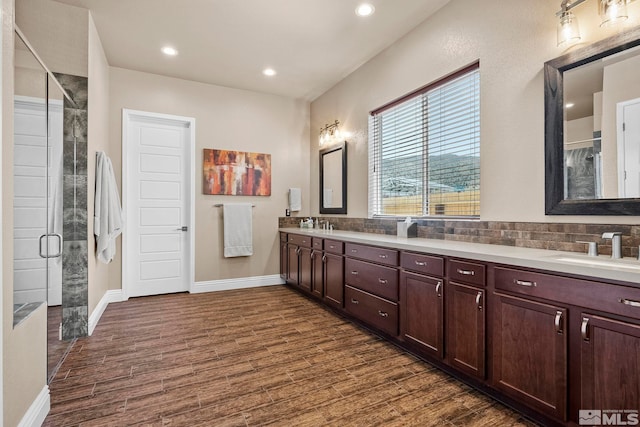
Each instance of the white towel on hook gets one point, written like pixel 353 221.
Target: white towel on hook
pixel 238 229
pixel 107 219
pixel 295 199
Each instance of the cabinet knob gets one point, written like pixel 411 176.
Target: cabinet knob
pixel 584 329
pixel 383 314
pixel 629 302
pixel 479 300
pixel 559 324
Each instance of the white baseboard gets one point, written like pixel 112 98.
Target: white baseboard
pixel 37 412
pixel 113 295
pixel 239 283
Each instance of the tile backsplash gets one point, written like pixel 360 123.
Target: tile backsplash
pixel 539 235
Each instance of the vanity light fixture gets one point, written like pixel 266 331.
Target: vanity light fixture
pixel 330 133
pixel 611 12
pixel 365 9
pixel 169 51
pixel 269 72
pixel 569 105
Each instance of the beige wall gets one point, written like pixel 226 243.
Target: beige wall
pixel 225 119
pixel 58 32
pixel 98 124
pixel 512 40
pixel 24 349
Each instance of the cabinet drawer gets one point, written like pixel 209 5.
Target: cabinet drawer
pixel 379 280
pixel 300 240
pixel 466 272
pixel 621 300
pixel 316 244
pixel 334 246
pixel 372 253
pixel 373 310
pixel 425 264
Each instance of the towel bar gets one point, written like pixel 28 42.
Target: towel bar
pixel 219 205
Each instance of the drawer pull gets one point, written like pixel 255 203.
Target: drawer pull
pixel 312 253
pixel 558 323
pixel 354 301
pixel 525 283
pixel 420 263
pixel 331 247
pixel 297 251
pixel 304 241
pixel 383 281
pixel 354 251
pixel 479 300
pixel 355 273
pixel 584 329
pixel 382 256
pixel 466 272
pixel 630 302
pixel 438 288
pixel 383 314
pixel 324 258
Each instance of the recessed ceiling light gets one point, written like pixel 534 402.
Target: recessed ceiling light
pixel 365 9
pixel 168 50
pixel 569 104
pixel 269 72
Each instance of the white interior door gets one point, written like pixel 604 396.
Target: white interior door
pixel 37 200
pixel 629 153
pixel 158 193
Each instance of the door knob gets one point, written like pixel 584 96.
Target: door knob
pixel 183 228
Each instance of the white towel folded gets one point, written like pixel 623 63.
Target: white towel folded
pixel 238 229
pixel 295 199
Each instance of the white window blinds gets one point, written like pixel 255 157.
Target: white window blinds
pixel 424 151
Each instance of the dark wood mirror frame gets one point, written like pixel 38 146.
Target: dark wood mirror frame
pixel 343 207
pixel 555 203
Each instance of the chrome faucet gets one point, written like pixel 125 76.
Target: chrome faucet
pixel 616 243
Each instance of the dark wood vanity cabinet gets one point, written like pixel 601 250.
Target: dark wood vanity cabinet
pixel 548 343
pixel 465 317
pixel 422 303
pixel 530 353
pixel 422 313
pixel 610 365
pixel 283 256
pixel 333 273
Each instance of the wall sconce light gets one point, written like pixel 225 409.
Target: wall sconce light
pixel 611 12
pixel 329 133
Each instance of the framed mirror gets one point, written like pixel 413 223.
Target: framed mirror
pixel 333 180
pixel 592 129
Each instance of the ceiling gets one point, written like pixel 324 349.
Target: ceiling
pixel 312 44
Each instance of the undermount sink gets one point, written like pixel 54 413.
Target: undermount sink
pixel 625 263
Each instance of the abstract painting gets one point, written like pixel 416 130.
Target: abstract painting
pixel 236 173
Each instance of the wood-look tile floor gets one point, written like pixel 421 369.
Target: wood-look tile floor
pixel 262 356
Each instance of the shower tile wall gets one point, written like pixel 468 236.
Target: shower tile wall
pixel 75 320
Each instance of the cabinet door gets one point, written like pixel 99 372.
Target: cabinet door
pixel 317 274
pixel 292 264
pixel 421 312
pixel 610 368
pixel 466 329
pixel 304 278
pixel 334 280
pixel 530 353
pixel 283 260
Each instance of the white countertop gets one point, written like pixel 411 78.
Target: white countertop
pixel 601 267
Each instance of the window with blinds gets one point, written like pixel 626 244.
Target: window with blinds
pixel 424 151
